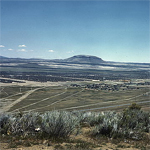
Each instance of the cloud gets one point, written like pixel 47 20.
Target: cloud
pixel 21 45
pixel 70 52
pixel 31 50
pixel 51 51
pixel 10 49
pixel 2 46
pixel 21 50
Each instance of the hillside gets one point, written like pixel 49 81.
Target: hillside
pixel 84 59
pixel 65 130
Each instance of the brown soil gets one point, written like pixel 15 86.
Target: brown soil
pixel 107 146
pixel 96 144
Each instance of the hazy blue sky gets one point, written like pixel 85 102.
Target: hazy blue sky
pixel 112 30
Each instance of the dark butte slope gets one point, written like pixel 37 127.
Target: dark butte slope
pixel 84 59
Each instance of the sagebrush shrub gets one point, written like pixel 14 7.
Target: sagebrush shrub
pixel 131 123
pixel 59 123
pixel 4 123
pixel 91 118
pixel 108 126
pixel 25 124
pixel 135 119
pixel 134 122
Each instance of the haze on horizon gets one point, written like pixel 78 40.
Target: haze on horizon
pixel 111 30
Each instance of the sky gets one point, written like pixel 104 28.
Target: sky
pixel 112 30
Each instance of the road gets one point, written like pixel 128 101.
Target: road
pixel 19 99
pixel 57 101
pixel 41 100
pixel 106 107
pixel 108 103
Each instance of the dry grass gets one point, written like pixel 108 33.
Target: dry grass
pixel 57 97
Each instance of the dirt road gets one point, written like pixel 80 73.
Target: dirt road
pixel 19 99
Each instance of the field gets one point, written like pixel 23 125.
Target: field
pixel 66 97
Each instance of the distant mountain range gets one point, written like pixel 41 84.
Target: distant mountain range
pixel 75 62
pixel 77 59
pixel 86 59
pixel 2 57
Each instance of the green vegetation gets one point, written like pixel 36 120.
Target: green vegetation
pixel 59 126
pixel 131 123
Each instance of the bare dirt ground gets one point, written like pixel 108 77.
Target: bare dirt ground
pixel 108 146
pixel 94 144
pixel 30 83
